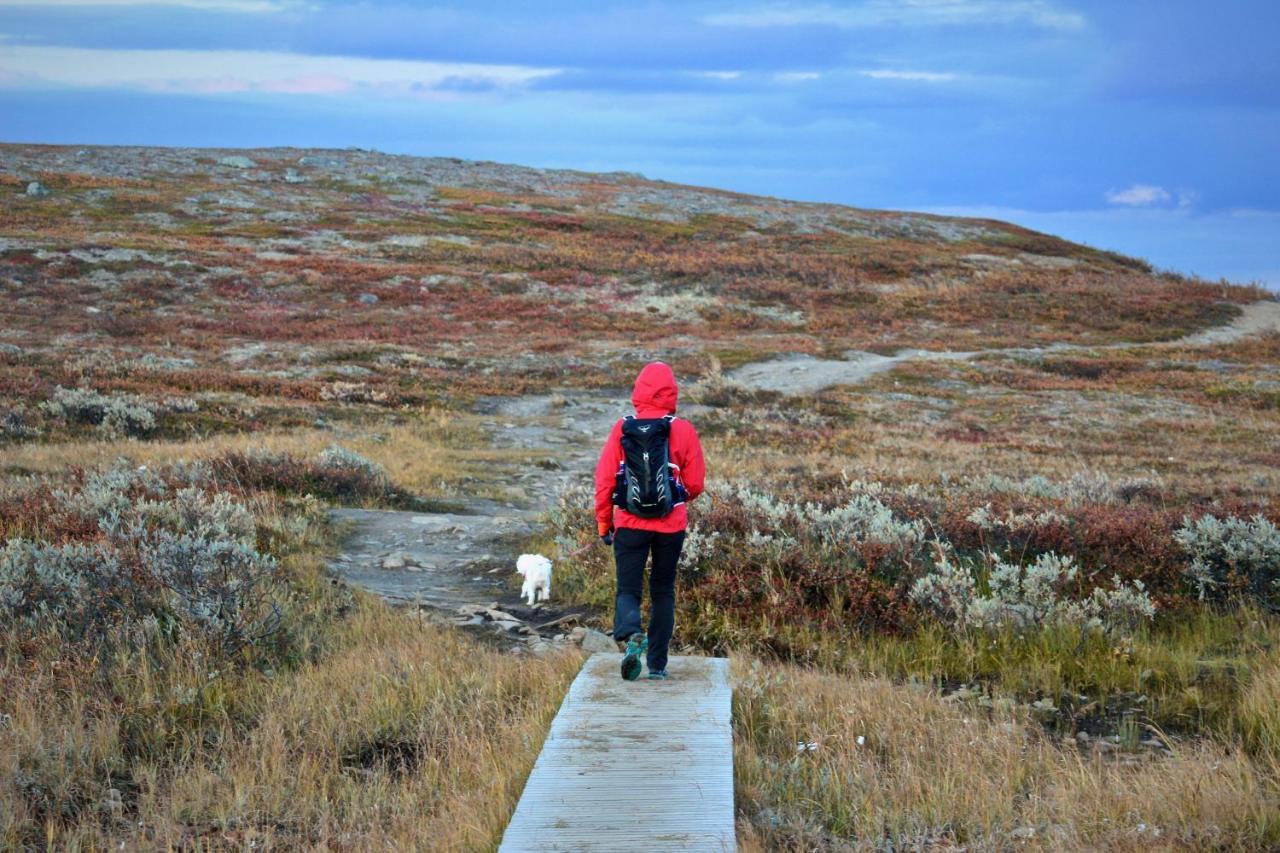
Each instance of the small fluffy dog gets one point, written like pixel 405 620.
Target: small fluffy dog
pixel 537 577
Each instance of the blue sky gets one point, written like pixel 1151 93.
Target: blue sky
pixel 1144 126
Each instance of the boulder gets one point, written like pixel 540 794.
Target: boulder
pixel 236 162
pixel 35 189
pixel 594 641
pixel 368 299
pixel 113 803
pixel 321 162
pixel 292 177
pixel 398 560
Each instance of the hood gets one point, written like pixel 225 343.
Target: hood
pixel 655 393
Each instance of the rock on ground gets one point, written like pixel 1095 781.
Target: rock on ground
pixel 595 641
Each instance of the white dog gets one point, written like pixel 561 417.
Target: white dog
pixel 537 577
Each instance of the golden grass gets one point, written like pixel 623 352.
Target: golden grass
pixel 432 453
pixel 382 731
pixel 412 737
pixel 1259 707
pixel 896 762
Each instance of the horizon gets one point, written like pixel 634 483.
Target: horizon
pixel 1148 130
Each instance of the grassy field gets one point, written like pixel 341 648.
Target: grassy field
pixel 1026 601
pixel 342 723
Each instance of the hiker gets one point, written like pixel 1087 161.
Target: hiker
pixel 650 466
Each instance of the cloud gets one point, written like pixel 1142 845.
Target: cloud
pixel 912 13
pixel 920 76
pixel 1139 195
pixel 246 6
pixel 222 71
pixel 796 76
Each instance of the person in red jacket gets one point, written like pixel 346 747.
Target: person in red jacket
pixel 634 538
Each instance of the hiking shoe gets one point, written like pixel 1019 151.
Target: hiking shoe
pixel 637 645
pixel 658 674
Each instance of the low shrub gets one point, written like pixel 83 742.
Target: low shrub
pixel 823 558
pixel 142 556
pixel 116 415
pixel 16 423
pixel 335 474
pixel 1036 596
pixel 1233 557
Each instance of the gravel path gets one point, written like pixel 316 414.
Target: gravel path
pixel 457 566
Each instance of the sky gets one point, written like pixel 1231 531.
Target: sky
pixel 1151 127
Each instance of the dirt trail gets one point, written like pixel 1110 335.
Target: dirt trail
pixel 1256 319
pixel 799 374
pixel 462 561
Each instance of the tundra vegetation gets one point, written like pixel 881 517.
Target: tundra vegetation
pixel 1026 600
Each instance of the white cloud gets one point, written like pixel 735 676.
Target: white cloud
pixel 722 75
pixel 249 6
pixel 219 71
pixel 1139 195
pixel 919 76
pixel 796 76
pixel 905 13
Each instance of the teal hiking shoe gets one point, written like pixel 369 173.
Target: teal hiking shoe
pixel 658 674
pixel 637 645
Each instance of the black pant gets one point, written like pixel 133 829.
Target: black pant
pixel 631 549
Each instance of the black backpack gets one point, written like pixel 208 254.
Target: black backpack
pixel 645 486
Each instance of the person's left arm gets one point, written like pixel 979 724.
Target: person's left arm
pixel 687 451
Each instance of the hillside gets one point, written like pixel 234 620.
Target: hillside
pixel 279 271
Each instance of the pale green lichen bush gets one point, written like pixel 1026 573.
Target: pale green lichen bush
pixel 171 553
pixel 1232 556
pixel 1012 521
pixel 117 415
pixel 337 457
pixel 1023 597
pixel 16 424
pixel 1083 487
pixel 863 517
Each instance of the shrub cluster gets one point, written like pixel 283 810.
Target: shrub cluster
pixel 16 423
pixel 1094 553
pixel 334 474
pixel 1232 557
pixel 1019 597
pixel 116 415
pixel 134 555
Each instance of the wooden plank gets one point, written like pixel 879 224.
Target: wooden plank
pixel 633 765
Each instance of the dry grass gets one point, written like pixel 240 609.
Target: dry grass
pixel 432 453
pixel 1259 708
pixel 897 765
pixel 411 737
pixel 397 734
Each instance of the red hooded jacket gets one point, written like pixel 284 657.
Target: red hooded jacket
pixel 654 396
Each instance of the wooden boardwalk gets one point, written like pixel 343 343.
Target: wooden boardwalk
pixel 628 766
